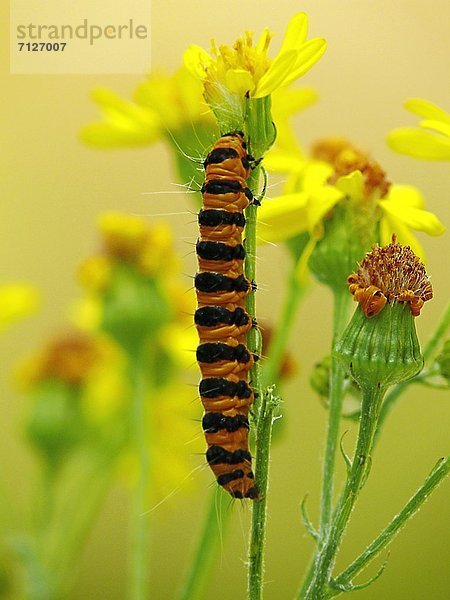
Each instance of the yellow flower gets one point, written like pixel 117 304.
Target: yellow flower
pixel 399 210
pixel 402 210
pixel 162 103
pixel 17 301
pixel 129 239
pixel 431 140
pixel 314 187
pixel 294 212
pixel 245 69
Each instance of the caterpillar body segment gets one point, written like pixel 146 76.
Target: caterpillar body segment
pixel 221 319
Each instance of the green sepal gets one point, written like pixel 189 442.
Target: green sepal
pixel 382 350
pixel 342 245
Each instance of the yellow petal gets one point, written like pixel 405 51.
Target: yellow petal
pixel 301 269
pixel 390 225
pixel 415 218
pixel 316 175
pixel 307 57
pixel 196 59
pixel 427 110
pixel 276 74
pixel 283 217
pixel 17 301
pixel 281 161
pixel 288 101
pixel 239 81
pixel 405 195
pixel 321 201
pixel 296 32
pixel 438 126
pixel 352 185
pixel 263 42
pixel 125 124
pixel 419 143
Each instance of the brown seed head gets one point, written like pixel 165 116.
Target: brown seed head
pixel 390 274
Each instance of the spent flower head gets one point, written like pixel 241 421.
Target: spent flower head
pixel 431 139
pixel 387 275
pixel 380 346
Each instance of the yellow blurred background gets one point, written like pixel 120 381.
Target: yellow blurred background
pixel 379 53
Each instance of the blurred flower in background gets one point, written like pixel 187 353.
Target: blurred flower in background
pixel 78 387
pixel 135 293
pixel 431 139
pixel 17 301
pixel 167 108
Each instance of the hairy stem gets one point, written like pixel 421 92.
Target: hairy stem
pixel 341 304
pixel 318 588
pixel 258 531
pixel 254 336
pixel 139 542
pixel 263 414
pixel 439 472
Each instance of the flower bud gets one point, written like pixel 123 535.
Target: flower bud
pixel 380 345
pixel 127 280
pixel 56 425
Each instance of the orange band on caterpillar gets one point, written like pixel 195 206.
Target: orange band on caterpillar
pixel 221 319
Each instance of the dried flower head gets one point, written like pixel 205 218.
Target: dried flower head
pixel 390 274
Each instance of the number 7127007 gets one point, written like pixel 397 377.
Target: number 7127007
pixel 42 46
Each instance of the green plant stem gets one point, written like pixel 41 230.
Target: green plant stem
pixel 340 317
pixel 318 588
pixel 438 334
pixel 77 518
pixel 254 335
pixel 263 415
pixel 294 295
pixel 217 517
pixel 439 472
pixel 140 538
pixel 259 513
pixel 430 348
pixel 341 304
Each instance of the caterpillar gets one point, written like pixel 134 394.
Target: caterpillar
pixel 221 319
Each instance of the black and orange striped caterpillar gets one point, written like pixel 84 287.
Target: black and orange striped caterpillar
pixel 221 319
